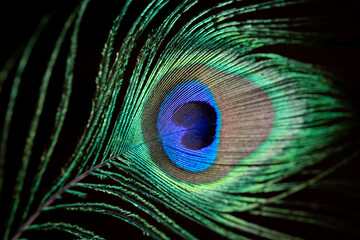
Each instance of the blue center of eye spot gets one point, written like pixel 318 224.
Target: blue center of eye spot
pixel 189 125
pixel 200 120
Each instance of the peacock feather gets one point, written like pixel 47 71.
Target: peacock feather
pixel 191 120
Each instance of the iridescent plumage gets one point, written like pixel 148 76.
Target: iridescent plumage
pixel 198 126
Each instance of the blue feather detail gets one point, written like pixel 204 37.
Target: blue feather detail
pixel 189 126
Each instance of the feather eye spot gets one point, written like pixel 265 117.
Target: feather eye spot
pixel 191 124
pixel 188 126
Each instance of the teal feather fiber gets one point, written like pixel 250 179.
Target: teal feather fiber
pixel 193 120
